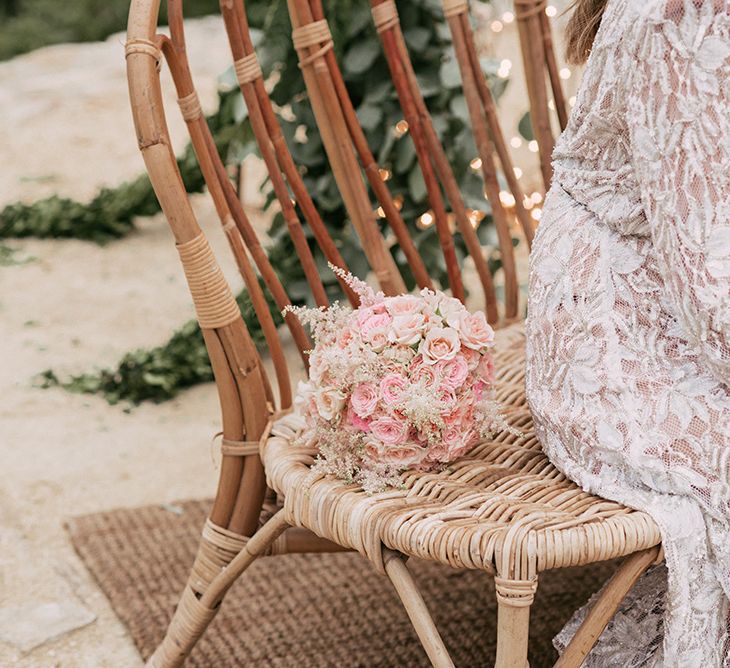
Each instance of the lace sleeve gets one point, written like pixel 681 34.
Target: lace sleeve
pixel 679 127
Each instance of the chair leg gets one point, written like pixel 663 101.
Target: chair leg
pixel 222 557
pixel 514 598
pixel 405 587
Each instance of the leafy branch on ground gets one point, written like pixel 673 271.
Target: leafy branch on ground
pixel 157 374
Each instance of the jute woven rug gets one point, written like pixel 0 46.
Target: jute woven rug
pixel 305 611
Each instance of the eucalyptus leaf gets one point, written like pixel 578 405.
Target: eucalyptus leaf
pixel 524 127
pixel 360 56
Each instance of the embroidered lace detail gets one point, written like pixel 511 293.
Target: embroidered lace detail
pixel 628 328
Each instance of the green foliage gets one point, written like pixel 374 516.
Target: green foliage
pixel 368 82
pixel 158 374
pixel 30 24
pixel 110 215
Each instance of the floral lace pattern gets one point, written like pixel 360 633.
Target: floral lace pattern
pixel 628 328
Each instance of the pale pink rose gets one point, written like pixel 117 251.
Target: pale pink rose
pixel 403 456
pixel 364 399
pixel 378 339
pixel 329 402
pixel 391 388
pixel 427 376
pixel 485 370
pixel 406 329
pixel 451 310
pixel 375 323
pixel 364 313
pixel 390 430
pixel 453 436
pixel 475 331
pixel 403 305
pixel 355 421
pixel 472 358
pixel 440 343
pixel 453 372
pixel 431 299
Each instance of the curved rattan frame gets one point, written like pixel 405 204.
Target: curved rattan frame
pixel 513 514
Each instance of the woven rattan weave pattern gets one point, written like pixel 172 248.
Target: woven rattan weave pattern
pixel 502 508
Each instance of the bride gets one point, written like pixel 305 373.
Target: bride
pixel 628 329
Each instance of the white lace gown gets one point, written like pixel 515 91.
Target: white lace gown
pixel 628 327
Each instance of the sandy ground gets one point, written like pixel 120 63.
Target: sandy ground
pixel 67 129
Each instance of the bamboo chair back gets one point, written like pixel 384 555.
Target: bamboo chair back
pixel 246 396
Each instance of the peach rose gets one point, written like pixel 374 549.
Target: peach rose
pixel 440 343
pixel 475 331
pixel 364 399
pixel 390 430
pixel 406 329
pixel 329 402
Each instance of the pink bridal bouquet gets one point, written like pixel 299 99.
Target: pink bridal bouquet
pixel 400 382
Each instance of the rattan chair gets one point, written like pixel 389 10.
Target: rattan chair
pixel 503 508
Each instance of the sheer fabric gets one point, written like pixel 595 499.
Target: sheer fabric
pixel 628 327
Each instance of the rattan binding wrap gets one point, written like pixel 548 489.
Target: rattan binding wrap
pixel 454 7
pixel 524 9
pixel 214 302
pixel 385 16
pixel 247 69
pixel 190 107
pixel 312 34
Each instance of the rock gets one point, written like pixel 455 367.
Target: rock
pixel 31 624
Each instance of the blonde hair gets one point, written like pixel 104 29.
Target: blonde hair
pixel 582 28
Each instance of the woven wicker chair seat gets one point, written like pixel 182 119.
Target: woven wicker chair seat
pixel 503 494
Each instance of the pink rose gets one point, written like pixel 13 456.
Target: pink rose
pixel 453 372
pixel 485 370
pixel 475 331
pixel 440 343
pixel 424 374
pixel 390 430
pixel 378 339
pixel 364 399
pixel 391 388
pixel 354 420
pixel 364 313
pixel 403 305
pixel 376 322
pixel 406 329
pixel 402 456
pixel 329 402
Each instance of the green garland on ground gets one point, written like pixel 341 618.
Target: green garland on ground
pixel 110 215
pixel 158 374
